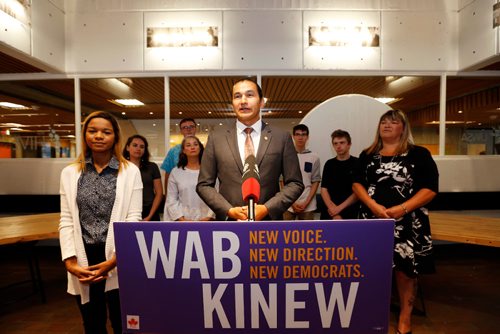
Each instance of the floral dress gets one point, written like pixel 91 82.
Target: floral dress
pixel 390 181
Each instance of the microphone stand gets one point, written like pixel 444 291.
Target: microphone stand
pixel 251 210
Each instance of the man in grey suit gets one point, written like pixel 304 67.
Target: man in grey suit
pixel 223 159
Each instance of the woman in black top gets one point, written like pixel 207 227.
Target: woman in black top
pixel 136 150
pixel 395 179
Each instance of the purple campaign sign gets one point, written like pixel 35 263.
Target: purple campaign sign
pixel 265 277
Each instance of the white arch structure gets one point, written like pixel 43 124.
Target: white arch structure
pixel 355 113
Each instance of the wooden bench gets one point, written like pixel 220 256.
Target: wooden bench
pixel 472 227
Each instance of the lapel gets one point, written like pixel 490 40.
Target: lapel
pixel 265 140
pixel 232 143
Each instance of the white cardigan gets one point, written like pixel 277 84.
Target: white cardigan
pixel 127 207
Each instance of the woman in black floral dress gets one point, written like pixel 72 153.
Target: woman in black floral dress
pixel 395 180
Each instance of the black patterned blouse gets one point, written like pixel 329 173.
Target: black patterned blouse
pixel 391 180
pixel 95 198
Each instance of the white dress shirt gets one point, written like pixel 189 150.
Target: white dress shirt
pixel 240 130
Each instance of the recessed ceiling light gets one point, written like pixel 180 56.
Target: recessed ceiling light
pixel 452 122
pixel 123 112
pixel 460 111
pixel 15 125
pixel 13 106
pixel 127 103
pixel 386 100
pixel 151 113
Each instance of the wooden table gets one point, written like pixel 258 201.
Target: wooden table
pixel 16 229
pixel 25 232
pixel 472 227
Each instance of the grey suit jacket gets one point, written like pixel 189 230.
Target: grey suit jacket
pixel 276 156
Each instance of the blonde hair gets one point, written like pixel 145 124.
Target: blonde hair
pixel 406 140
pixel 117 152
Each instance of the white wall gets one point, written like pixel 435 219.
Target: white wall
pixel 103 36
pixel 478 39
pixel 423 40
pixel 43 40
pixel 48 33
pixel 456 174
pixel 468 173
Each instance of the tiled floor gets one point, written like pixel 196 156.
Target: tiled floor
pixel 463 297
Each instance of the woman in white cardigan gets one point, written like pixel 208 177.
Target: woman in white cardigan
pixel 101 187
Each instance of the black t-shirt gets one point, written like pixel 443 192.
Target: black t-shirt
pixel 337 178
pixel 149 172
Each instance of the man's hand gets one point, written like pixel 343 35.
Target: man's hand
pixel 241 212
pixel 261 212
pixel 238 213
pixel 298 207
pixel 334 210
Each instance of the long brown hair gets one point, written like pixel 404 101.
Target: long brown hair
pixel 406 140
pixel 117 152
pixel 145 157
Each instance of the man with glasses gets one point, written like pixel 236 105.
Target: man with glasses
pixel 304 207
pixel 188 128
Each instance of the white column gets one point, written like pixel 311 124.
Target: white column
pixel 442 114
pixel 78 117
pixel 167 113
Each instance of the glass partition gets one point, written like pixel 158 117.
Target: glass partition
pixel 473 116
pixel 137 103
pixel 295 97
pixel 37 119
pixel 37 116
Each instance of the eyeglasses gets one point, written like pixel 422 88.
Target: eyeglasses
pixel 188 127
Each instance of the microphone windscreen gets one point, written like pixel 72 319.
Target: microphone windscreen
pixel 250 188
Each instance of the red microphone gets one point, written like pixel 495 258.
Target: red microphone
pixel 250 187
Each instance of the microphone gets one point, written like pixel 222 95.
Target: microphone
pixel 250 187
